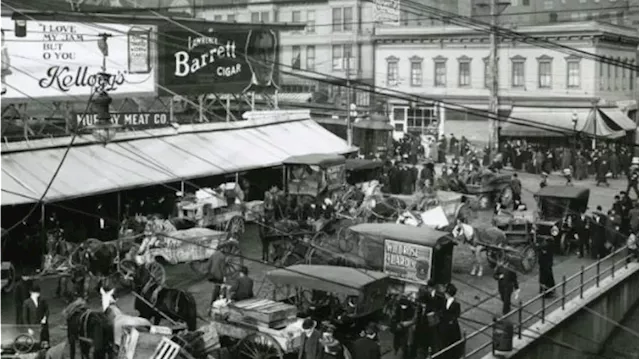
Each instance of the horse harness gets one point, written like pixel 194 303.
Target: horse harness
pixel 152 290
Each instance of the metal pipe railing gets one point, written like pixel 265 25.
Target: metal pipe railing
pixel 540 297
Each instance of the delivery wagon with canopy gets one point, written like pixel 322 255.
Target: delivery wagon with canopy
pixel 410 255
pixel 314 174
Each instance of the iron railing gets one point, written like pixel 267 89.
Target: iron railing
pixel 537 307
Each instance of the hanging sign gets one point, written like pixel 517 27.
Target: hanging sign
pixel 61 59
pixel 127 119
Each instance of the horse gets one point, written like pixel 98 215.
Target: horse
pixel 86 325
pixel 474 238
pixel 117 318
pixel 58 249
pixel 176 304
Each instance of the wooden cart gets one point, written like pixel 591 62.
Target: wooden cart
pixel 259 328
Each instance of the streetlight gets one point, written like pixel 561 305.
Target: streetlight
pixel 574 119
pixel 103 130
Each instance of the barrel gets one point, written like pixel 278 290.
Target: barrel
pixel 503 336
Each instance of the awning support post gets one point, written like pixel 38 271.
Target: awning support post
pixel 228 108
pixel 43 226
pixel 284 178
pixel 182 187
pixel 237 178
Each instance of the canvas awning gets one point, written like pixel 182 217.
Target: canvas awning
pixel 619 118
pixel 557 122
pixel 94 169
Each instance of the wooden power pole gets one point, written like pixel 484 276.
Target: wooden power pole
pixel 493 85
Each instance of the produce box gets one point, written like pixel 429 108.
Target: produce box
pixel 262 312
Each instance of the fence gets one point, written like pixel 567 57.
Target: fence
pixel 526 314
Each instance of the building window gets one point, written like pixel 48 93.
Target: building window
pixel 440 72
pixel 517 71
pixel 392 71
pixel 217 18
pixel 623 82
pixel 421 120
pixel 525 2
pixel 487 73
pixel 342 19
pixel 464 71
pixel 548 4
pixel 342 57
pixel 311 21
pixel 295 57
pixel 609 74
pixel 311 57
pixel 544 72
pixel 602 75
pixel 336 56
pixel 416 71
pixel 231 17
pixel 296 17
pixel 573 72
pixel 264 16
pixel 255 17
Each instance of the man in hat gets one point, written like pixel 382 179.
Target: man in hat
pixel 545 264
pixel 367 347
pixel 311 347
pixel 21 293
pixel 403 325
pixel 598 233
pixel 242 288
pixel 516 188
pixel 507 284
pixel 35 311
pixel 332 349
pixel 431 307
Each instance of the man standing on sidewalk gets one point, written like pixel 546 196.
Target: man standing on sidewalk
pixel 507 284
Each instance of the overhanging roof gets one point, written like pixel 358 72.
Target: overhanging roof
pixel 93 169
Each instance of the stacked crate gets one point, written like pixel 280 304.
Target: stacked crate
pixel 262 313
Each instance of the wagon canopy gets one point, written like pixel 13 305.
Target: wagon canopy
pixel 316 159
pixel 334 279
pixel 564 192
pixel 416 235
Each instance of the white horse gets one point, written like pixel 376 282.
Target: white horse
pixel 119 319
pixel 469 236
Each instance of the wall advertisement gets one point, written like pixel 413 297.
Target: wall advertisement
pixel 407 262
pixel 60 60
pixel 218 61
pixel 127 119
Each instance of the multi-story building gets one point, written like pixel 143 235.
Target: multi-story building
pixel 450 65
pixel 536 12
pixel 337 41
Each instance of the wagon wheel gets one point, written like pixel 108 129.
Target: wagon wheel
pixel 11 280
pixel 127 271
pixel 157 272
pixel 235 226
pixel 506 196
pixel 259 346
pixel 345 240
pixel 529 259
pixel 23 343
pixel 233 260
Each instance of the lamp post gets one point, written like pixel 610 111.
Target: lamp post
pixel 574 119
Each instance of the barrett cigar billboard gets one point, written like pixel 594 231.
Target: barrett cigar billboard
pixel 61 60
pixel 218 61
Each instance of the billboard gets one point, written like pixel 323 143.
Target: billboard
pixel 387 12
pixel 60 60
pixel 229 61
pixel 408 262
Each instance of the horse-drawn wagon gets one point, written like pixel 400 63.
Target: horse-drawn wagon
pixel 491 187
pixel 221 209
pixel 20 341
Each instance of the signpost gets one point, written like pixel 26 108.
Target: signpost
pixel 407 262
pixel 226 61
pixel 53 60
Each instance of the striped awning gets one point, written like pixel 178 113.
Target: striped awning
pixel 93 169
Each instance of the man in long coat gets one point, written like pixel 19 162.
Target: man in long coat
pixel 545 263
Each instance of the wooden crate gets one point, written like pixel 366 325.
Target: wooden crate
pixel 261 312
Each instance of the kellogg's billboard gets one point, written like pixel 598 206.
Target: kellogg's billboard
pixel 228 61
pixel 61 60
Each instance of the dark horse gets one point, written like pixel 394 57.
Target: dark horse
pixel 177 304
pixel 92 328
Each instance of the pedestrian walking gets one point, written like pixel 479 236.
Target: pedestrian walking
pixel 431 307
pixel 507 284
pixel 516 188
pixel 403 324
pixel 367 347
pixel 599 233
pixel 449 327
pixel 583 226
pixel 601 175
pixel 35 312
pixel 20 294
pixel 545 263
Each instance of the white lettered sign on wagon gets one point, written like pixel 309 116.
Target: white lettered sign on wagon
pixel 60 60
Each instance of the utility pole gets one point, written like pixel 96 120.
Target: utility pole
pixel 349 120
pixel 637 91
pixel 494 85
